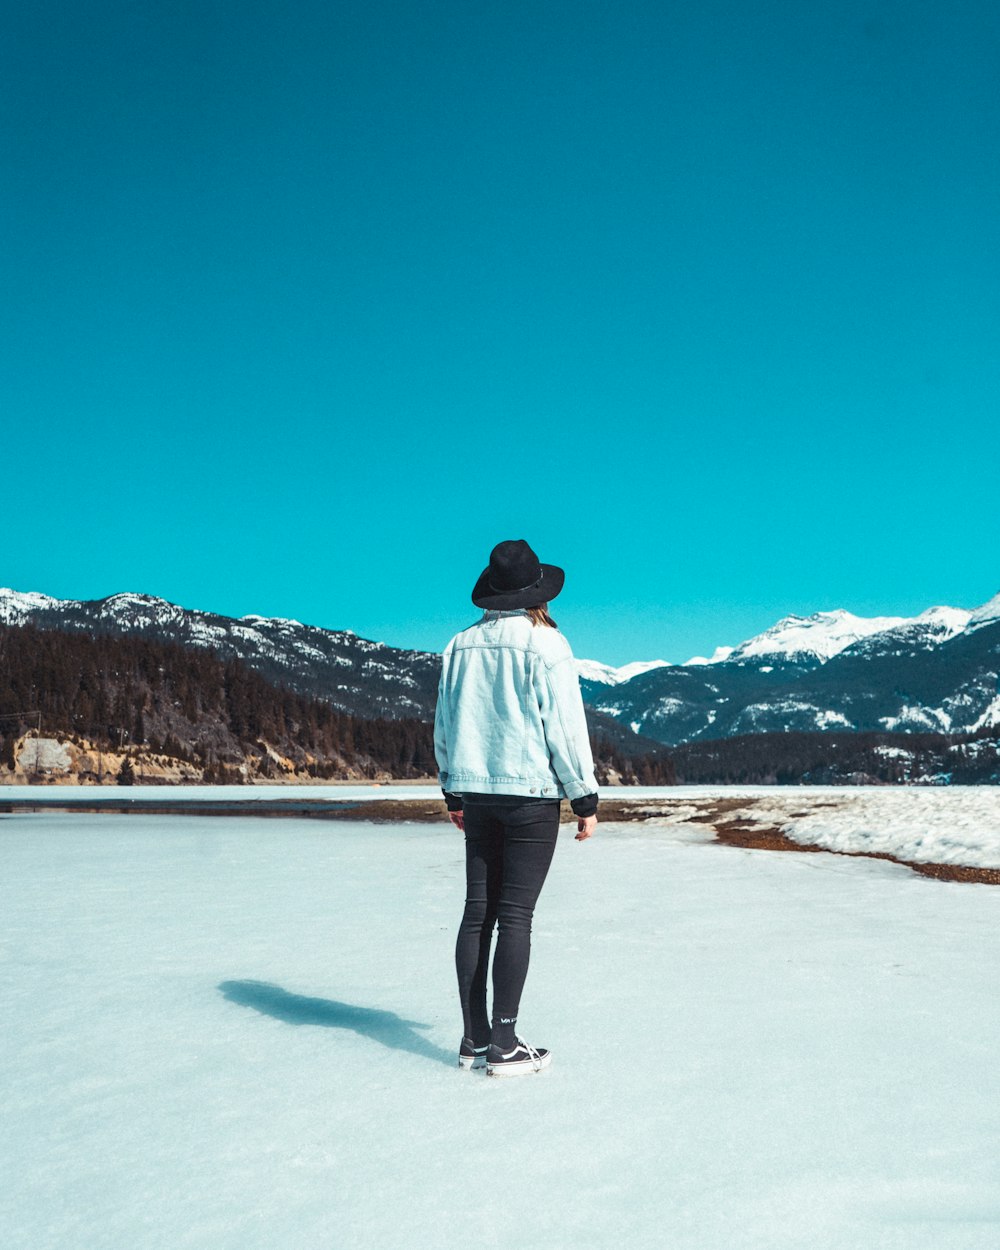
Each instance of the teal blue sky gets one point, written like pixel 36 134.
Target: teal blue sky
pixel 306 306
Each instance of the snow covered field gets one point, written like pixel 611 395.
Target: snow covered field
pixel 240 1034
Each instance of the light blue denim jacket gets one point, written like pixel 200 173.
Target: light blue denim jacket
pixel 509 717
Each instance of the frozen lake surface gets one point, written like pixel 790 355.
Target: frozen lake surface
pixel 237 1034
pixel 957 825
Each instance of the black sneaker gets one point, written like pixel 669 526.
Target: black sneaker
pixel 522 1059
pixel 470 1055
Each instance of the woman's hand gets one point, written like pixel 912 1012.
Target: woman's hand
pixel 585 826
pixel 457 819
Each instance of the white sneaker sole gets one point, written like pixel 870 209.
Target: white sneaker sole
pixel 523 1067
pixel 470 1064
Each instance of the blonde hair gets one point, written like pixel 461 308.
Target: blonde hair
pixel 539 615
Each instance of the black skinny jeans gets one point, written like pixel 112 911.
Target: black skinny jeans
pixel 509 843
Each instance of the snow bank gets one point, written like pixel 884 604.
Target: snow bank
pixel 946 825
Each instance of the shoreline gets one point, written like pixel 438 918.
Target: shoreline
pixel 729 818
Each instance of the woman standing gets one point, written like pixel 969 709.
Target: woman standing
pixel 511 740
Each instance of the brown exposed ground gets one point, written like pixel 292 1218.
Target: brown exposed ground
pixel 730 819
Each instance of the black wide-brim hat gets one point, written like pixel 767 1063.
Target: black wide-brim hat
pixel 516 578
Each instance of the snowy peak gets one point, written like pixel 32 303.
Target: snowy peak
pixel 138 611
pixel 816 638
pixel 920 633
pixel 278 621
pixel 717 656
pixel 17 606
pixel 988 614
pixel 606 675
pixel 950 621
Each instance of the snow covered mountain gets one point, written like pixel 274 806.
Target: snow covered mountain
pixel 717 656
pixel 918 633
pixel 17 607
pixel 809 640
pixel 935 672
pixel 988 614
pixel 605 675
pixel 353 674
pixel 812 640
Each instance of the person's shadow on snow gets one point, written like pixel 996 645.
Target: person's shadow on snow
pixel 384 1027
